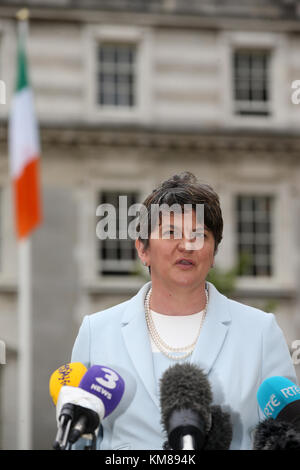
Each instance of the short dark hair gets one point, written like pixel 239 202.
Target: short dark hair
pixel 185 189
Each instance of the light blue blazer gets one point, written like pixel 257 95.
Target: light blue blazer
pixel 238 348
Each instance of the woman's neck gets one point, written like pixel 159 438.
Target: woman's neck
pixel 177 301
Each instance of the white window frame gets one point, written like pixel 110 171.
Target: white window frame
pixel 283 261
pixel 272 221
pixel 107 66
pixel 142 39
pixel 113 264
pixel 254 106
pixel 279 90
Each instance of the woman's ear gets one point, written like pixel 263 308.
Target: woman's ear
pixel 142 252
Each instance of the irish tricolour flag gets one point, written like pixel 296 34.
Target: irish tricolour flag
pixel 24 151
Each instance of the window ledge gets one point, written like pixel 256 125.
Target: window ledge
pixel 253 288
pixel 265 287
pixel 115 285
pixel 8 286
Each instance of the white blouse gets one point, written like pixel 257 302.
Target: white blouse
pixel 176 330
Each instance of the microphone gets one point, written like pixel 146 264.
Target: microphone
pixel 68 375
pixel 189 419
pixel 103 389
pixel 275 435
pixel 279 399
pixel 76 403
pixel 219 436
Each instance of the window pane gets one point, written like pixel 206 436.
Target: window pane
pixel 254 233
pixel 251 82
pixel 117 257
pixel 116 75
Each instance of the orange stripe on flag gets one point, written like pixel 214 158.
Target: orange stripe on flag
pixel 27 199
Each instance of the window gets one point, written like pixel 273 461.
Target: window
pixel 117 75
pixel 118 66
pixel 251 82
pixel 117 256
pixel 254 233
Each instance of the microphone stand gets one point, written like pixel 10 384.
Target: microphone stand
pixel 68 445
pixel 92 445
pixel 64 426
pixel 188 442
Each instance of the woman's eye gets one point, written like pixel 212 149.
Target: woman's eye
pixel 169 233
pixel 199 235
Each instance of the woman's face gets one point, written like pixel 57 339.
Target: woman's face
pixel 177 256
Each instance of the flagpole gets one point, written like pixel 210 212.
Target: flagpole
pixel 25 347
pixel 24 421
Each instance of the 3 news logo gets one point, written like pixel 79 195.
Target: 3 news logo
pixel 2 352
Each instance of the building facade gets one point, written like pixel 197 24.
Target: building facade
pixel 128 93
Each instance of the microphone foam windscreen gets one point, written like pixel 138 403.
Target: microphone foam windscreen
pixel 275 435
pixel 106 384
pixel 220 435
pixel 79 397
pixel 68 374
pixel 184 386
pixel 275 393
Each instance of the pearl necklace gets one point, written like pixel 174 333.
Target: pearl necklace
pixel 158 341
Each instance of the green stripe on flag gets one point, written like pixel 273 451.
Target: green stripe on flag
pixel 22 78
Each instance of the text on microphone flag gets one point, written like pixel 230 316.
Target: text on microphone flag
pixel 275 393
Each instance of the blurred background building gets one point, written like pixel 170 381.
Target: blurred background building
pixel 128 93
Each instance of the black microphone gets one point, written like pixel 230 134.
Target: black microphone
pixel 219 436
pixel 102 389
pixel 67 375
pixel 105 391
pixel 189 419
pixel 64 425
pixel 76 405
pixel 271 434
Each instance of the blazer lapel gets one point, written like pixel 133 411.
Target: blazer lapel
pixel 136 337
pixel 214 330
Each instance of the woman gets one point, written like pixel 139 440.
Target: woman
pixel 179 317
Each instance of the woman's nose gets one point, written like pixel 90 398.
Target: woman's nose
pixel 185 244
pixel 190 244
